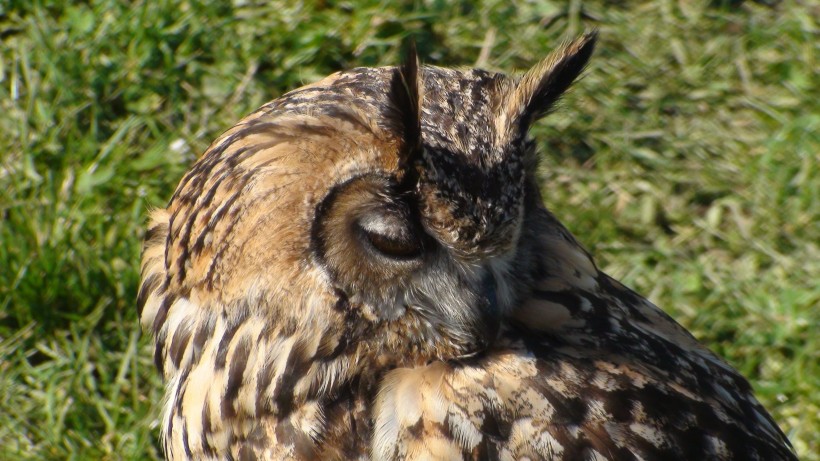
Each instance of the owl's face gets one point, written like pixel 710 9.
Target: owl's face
pixel 378 207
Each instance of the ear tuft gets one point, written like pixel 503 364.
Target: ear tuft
pixel 406 95
pixel 539 89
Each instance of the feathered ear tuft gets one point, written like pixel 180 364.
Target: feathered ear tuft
pixel 538 90
pixel 405 91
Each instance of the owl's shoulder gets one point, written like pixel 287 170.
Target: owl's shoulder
pixel 584 368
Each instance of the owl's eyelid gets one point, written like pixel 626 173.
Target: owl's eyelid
pixel 390 235
pixel 379 223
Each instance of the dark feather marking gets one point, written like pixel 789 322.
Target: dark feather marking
pixel 146 288
pixel 307 129
pixel 236 374
pixel 284 398
pixel 162 313
pixel 618 403
pixel 206 200
pixel 209 217
pixel 185 440
pixel 179 343
pixel 173 233
pixel 327 354
pixel 207 428
pixel 156 233
pixel 212 274
pixel 253 127
pixel 169 431
pixel 183 387
pixel 344 114
pixel 263 380
pixel 203 332
pixel 416 430
pixel 159 332
pixel 598 319
pixel 159 361
pixel 224 345
pixel 692 442
pixel 183 258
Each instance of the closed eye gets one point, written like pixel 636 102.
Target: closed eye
pixel 391 235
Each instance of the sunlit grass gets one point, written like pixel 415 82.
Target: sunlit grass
pixel 686 160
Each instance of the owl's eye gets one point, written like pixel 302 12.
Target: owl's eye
pixel 391 235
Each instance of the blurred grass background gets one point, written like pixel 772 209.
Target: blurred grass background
pixel 686 160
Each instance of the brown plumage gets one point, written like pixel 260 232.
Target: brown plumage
pixel 364 269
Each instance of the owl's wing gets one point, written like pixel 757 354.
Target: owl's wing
pixel 586 370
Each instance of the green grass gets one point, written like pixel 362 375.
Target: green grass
pixel 687 160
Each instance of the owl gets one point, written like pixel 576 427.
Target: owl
pixel 364 269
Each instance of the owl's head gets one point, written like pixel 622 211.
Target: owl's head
pixel 383 209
